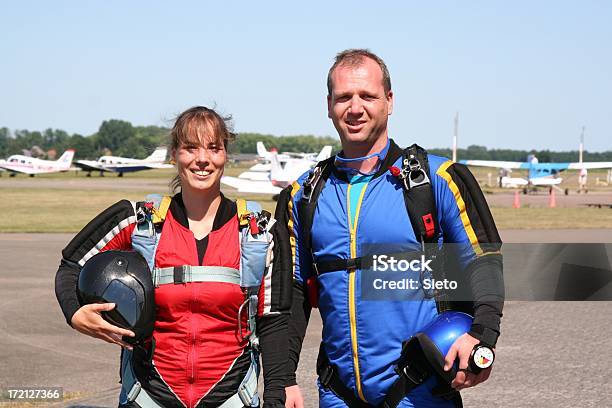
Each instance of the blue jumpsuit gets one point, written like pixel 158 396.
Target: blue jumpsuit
pixel 356 217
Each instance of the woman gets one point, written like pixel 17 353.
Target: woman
pixel 199 360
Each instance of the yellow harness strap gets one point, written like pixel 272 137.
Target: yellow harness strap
pixel 243 213
pixel 159 214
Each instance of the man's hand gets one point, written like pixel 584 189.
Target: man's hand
pixel 88 321
pixel 294 397
pixel 462 348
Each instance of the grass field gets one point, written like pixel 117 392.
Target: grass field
pixel 68 209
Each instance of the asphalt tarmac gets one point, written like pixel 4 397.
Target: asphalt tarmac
pixel 551 354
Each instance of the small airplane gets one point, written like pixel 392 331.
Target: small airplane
pixel 281 173
pixel 261 171
pixel 539 174
pixel 266 156
pixel 120 165
pixel 29 165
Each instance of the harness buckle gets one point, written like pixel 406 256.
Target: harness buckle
pixel 245 396
pixel 179 275
pixel 141 215
pixel 412 375
pixel 311 182
pixel 418 178
pixel 263 219
pixel 412 174
pixel 133 393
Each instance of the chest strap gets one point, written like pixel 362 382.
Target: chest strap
pixel 189 273
pixel 362 262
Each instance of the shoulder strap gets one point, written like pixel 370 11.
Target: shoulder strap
pixel 241 211
pixel 418 194
pixel 160 208
pixel 308 203
pixel 149 214
pixel 255 238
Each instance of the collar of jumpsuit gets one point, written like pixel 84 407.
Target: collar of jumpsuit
pixel 343 164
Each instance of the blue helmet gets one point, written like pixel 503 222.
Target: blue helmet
pixel 425 351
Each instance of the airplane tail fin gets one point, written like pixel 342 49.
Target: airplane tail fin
pixel 324 154
pixel 276 170
pixel 261 151
pixel 159 155
pixel 65 159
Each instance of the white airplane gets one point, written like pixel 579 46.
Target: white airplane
pixel 261 171
pixel 120 165
pixel 280 175
pixel 266 156
pixel 29 165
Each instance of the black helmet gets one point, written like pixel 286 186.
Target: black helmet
pixel 122 278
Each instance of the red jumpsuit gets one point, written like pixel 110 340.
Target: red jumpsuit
pixel 198 359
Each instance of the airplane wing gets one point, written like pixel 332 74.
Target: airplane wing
pixel 90 165
pixel 129 168
pixel 255 175
pixel 496 163
pixel 250 186
pixel 590 165
pixel 526 165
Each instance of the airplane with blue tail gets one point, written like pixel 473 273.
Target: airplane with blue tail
pixel 539 174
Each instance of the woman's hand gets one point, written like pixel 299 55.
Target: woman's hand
pixel 88 320
pixel 294 397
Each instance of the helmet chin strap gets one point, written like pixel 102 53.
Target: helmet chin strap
pixel 342 162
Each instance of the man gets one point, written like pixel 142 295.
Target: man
pixel 359 210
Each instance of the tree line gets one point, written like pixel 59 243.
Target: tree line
pixel 476 152
pixel 121 138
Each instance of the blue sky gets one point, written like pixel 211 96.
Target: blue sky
pixel 521 74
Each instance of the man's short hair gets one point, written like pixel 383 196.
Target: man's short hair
pixel 354 58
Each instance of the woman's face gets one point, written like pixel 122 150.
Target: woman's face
pixel 200 166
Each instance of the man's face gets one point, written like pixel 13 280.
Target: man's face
pixel 358 105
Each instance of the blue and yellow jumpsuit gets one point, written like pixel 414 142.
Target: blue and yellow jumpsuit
pixel 354 217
